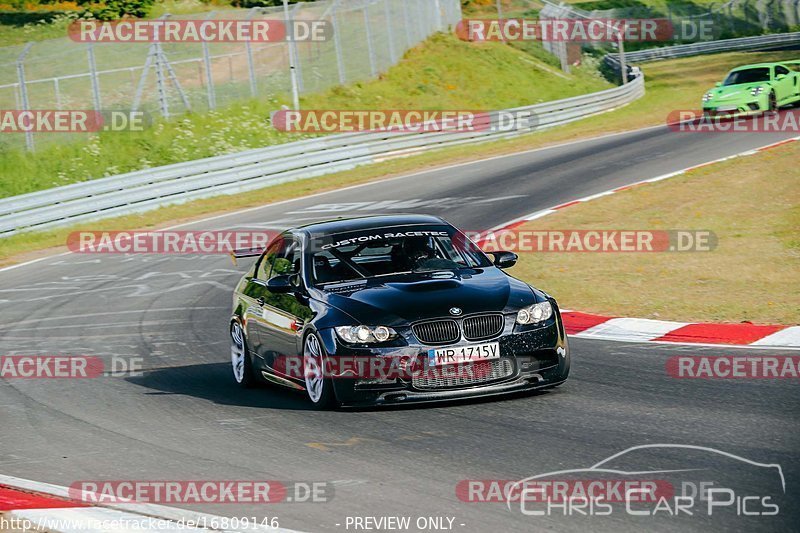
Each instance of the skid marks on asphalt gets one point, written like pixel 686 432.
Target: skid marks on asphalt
pixel 75 259
pixel 357 441
pixel 381 206
pixel 153 283
pixel 106 314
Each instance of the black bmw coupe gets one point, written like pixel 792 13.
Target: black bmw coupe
pixel 389 310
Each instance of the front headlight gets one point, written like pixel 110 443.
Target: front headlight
pixel 755 91
pixel 707 97
pixel 535 313
pixel 365 334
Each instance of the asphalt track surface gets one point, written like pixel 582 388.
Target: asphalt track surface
pixel 185 419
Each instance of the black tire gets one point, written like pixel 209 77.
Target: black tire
pixel 773 102
pixel 319 388
pixel 241 364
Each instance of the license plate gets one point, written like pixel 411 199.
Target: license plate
pixel 464 354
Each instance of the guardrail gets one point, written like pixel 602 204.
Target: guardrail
pixel 144 190
pixel 761 42
pixel 245 171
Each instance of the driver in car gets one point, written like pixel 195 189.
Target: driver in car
pixel 422 255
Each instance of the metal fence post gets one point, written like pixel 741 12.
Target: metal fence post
pixel 137 96
pixel 175 81
pixel 407 24
pixel 437 15
pixel 337 42
pixel 93 77
pixel 387 14
pixel 429 19
pixel 731 20
pixel 210 89
pixel 797 9
pixel 250 67
pixel 161 86
pixel 23 89
pixel 419 31
pixel 425 18
pixel 57 90
pixel 292 56
pixel 370 48
pixel 500 19
pixel 301 84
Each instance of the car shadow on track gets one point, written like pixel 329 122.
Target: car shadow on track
pixel 214 382
pixel 475 400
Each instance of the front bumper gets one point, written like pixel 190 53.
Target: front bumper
pixel 533 358
pixel 730 110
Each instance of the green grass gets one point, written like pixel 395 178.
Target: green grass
pixel 671 85
pixel 752 275
pixel 11 35
pixel 186 7
pixel 442 73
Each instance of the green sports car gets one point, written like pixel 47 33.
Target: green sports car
pixel 755 89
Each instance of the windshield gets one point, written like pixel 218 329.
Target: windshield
pixel 387 251
pixel 751 75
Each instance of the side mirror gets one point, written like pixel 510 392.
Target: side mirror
pixel 504 259
pixel 280 285
pixel 718 84
pixel 780 77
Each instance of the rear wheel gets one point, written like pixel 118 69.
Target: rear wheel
pixel 241 364
pixel 319 388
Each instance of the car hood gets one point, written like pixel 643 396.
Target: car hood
pixel 407 298
pixel 734 91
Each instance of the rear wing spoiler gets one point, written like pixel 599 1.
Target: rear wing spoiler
pixel 245 252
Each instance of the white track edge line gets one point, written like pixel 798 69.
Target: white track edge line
pixel 144 509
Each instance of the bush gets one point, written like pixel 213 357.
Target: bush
pixel 18 12
pixel 259 3
pixel 115 9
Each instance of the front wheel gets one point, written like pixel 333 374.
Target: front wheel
pixel 773 102
pixel 241 364
pixel 319 388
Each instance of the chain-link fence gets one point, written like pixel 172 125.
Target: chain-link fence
pixel 368 36
pixel 690 23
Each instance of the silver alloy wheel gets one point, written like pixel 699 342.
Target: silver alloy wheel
pixel 237 352
pixel 313 370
